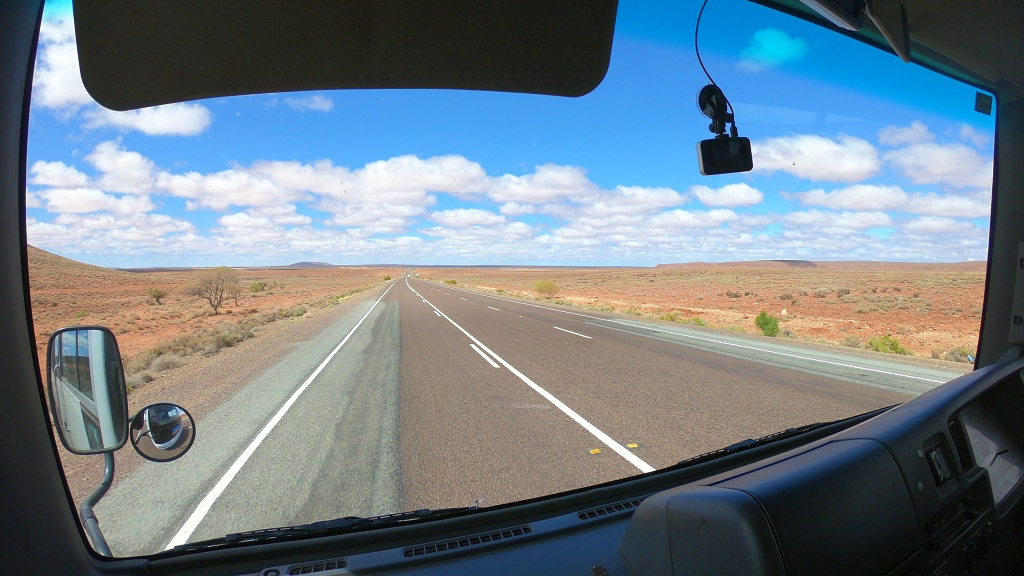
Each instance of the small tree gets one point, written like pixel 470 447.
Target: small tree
pixel 156 294
pixel 211 285
pixel 546 288
pixel 232 290
pixel 767 324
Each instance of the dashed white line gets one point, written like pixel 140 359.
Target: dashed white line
pixel 436 312
pixel 604 438
pixel 721 342
pixel 493 308
pixel 461 298
pixel 484 356
pixel 575 333
pixel 204 506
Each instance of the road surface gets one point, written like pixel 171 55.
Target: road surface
pixel 428 396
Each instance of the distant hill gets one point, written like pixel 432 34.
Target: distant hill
pixel 309 265
pixel 46 271
pixel 840 265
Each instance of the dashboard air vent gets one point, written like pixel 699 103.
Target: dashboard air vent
pixel 963 450
pixel 465 541
pixel 314 567
pixel 611 508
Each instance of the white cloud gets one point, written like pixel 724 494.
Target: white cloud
pixel 57 86
pixel 729 196
pixel 916 133
pixel 84 200
pixel 517 209
pixel 122 170
pixel 688 219
pixel 316 102
pixel 974 136
pixel 851 220
pixel 180 119
pixel 771 48
pixel 845 159
pixel 221 190
pixel 893 198
pixel 548 183
pixel 466 217
pixel 952 164
pixel 57 174
pixel 931 225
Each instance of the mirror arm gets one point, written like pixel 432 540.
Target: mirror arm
pixel 92 525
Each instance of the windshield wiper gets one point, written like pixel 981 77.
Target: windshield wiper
pixel 327 527
pixel 787 433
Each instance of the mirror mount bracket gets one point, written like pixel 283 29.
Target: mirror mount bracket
pixel 89 520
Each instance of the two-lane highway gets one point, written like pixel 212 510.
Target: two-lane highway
pixel 427 396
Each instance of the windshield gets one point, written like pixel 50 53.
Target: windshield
pixel 381 301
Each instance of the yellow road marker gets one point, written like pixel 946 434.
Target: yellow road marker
pixel 632 445
pixel 595 451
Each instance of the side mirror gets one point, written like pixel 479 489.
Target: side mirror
pixel 88 397
pixel 162 432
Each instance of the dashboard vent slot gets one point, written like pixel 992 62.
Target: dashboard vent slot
pixel 314 567
pixel 611 508
pixel 963 450
pixel 465 541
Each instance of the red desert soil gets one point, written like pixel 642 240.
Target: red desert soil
pixel 929 308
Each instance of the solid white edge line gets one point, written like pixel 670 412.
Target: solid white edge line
pixel 575 333
pixel 484 356
pixel 755 348
pixel 204 506
pixel 604 438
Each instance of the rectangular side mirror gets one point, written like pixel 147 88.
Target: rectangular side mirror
pixel 88 397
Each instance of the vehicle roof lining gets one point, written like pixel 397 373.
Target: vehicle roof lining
pixel 951 37
pixel 134 55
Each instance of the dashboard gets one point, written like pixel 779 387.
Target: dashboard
pixel 930 487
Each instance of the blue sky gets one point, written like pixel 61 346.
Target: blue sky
pixel 857 156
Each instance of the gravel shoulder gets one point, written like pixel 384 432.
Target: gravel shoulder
pixel 203 383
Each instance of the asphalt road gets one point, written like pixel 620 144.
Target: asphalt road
pixel 428 396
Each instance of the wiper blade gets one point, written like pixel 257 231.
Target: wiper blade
pixel 752 442
pixel 326 527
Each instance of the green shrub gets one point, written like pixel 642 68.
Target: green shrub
pixel 156 294
pixel 257 287
pixel 672 316
pixel 387 277
pixel 452 282
pixel 850 341
pixel 886 344
pixel 960 354
pixel 767 324
pixel 546 288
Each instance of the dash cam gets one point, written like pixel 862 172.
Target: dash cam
pixel 724 155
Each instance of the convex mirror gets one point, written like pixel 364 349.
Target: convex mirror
pixel 162 432
pixel 86 385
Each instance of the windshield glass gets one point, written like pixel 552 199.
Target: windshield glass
pixel 380 301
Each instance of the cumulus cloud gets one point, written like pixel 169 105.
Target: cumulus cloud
pixel 181 119
pixel 844 159
pixel 57 86
pixel 57 174
pixel 974 136
pixel 728 196
pixel 894 198
pixel 84 200
pixel 952 164
pixel 851 220
pixel 315 103
pixel 771 48
pixel 548 183
pixel 916 133
pixel 930 225
pixel 466 217
pixel 221 190
pixel 693 219
pixel 122 170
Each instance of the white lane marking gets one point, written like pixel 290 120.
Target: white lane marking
pixel 571 332
pixel 435 311
pixel 424 301
pixel 461 298
pixel 723 343
pixel 484 356
pixel 204 506
pixel 604 438
pixel 493 308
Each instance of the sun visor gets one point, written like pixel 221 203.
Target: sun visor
pixel 135 54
